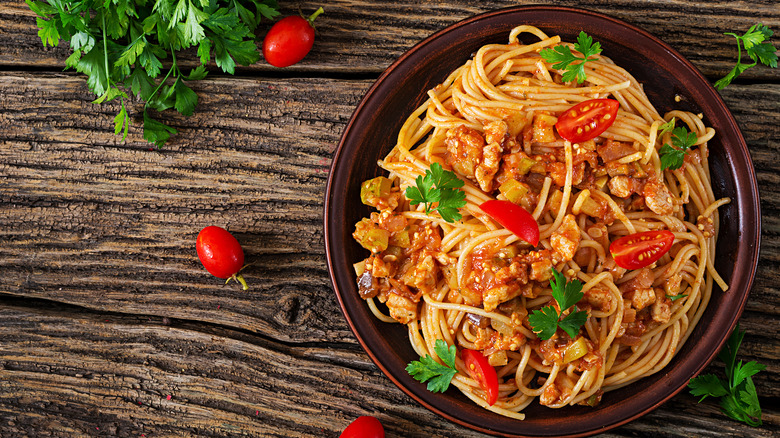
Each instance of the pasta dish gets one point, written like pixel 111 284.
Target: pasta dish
pixel 515 184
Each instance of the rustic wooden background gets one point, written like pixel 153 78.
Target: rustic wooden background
pixel 109 326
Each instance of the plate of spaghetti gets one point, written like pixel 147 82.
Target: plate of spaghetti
pixel 547 215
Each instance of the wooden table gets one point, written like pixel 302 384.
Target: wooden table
pixel 109 326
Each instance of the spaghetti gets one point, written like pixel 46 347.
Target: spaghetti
pixel 473 283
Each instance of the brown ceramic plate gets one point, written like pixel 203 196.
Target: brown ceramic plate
pixel 372 132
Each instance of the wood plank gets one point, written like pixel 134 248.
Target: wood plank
pixel 92 221
pixel 85 374
pixel 254 158
pixel 364 37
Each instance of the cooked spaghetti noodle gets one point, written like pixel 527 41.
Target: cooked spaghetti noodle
pixel 473 283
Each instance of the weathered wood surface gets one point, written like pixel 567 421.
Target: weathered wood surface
pixel 105 310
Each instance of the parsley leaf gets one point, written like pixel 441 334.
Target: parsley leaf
pixel 739 397
pixel 545 322
pixel 562 57
pixel 672 157
pixel 440 187
pixel 676 297
pixel 667 127
pixel 121 44
pixel 707 385
pixel 758 48
pixel 428 370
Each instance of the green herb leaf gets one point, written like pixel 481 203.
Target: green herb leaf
pixel 572 322
pixel 667 127
pixel 675 297
pixel 673 157
pixel 440 187
pixel 47 30
pixel 156 132
pixel 122 121
pixel 739 399
pixel 545 322
pixel 186 99
pixel 429 370
pixel 121 44
pixel 565 293
pixel 707 385
pixel 421 192
pixel 758 48
pixel 562 57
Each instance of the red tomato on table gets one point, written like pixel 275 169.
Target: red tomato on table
pixel 587 119
pixel 638 250
pixel 480 370
pixel 289 40
pixel 221 254
pixel 364 427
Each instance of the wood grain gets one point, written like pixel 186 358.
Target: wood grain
pixel 105 310
pixel 364 37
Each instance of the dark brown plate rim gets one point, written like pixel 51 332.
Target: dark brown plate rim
pixel 747 216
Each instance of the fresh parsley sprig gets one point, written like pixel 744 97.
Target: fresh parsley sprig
pixel 440 187
pixel 121 44
pixel 545 322
pixel 428 370
pixel 563 59
pixel 758 48
pixel 739 399
pixel 672 156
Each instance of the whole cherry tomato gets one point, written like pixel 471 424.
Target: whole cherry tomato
pixel 480 370
pixel 364 427
pixel 289 40
pixel 221 254
pixel 587 119
pixel 514 218
pixel 638 250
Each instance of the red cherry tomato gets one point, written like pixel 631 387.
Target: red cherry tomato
pixel 480 370
pixel 289 40
pixel 514 218
pixel 364 427
pixel 641 249
pixel 221 254
pixel 587 119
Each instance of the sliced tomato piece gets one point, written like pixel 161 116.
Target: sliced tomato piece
pixel 641 249
pixel 514 218
pixel 480 370
pixel 587 119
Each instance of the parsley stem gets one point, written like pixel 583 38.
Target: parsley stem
pixel 105 53
pixel 170 70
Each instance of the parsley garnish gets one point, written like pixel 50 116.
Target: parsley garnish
pixel 739 398
pixel 676 297
pixel 667 127
pixel 672 156
pixel 428 370
pixel 758 48
pixel 546 322
pixel 120 45
pixel 563 59
pixel 438 186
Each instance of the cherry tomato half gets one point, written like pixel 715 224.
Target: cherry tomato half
pixel 289 40
pixel 221 254
pixel 364 427
pixel 514 218
pixel 480 370
pixel 641 249
pixel 587 119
